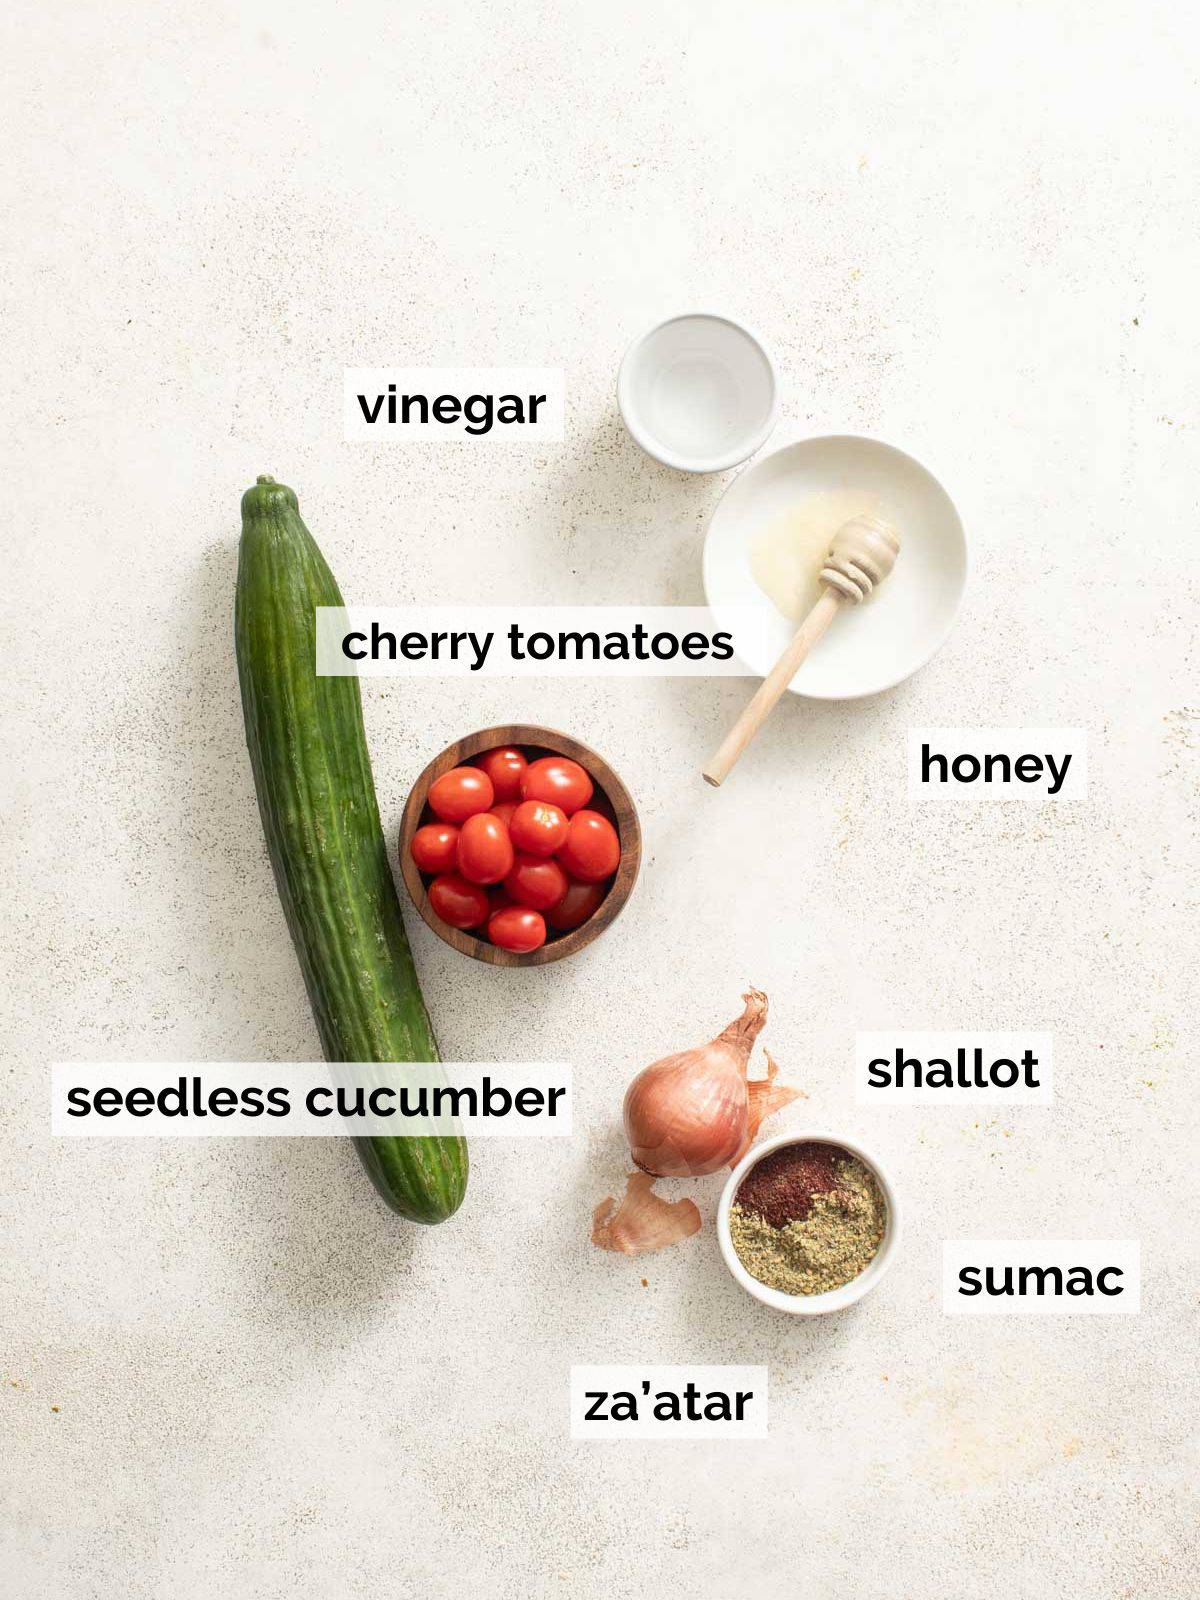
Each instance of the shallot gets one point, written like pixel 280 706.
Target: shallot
pixel 689 1113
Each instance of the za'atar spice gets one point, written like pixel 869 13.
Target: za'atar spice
pixel 807 1218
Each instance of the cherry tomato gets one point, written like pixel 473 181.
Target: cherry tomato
pixel 504 810
pixel 517 928
pixel 591 850
pixel 485 852
pixel 504 766
pixel 537 827
pixel 434 847
pixel 461 904
pixel 576 906
pixel 559 780
pixel 460 793
pixel 536 881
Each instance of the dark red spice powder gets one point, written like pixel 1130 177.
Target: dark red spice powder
pixel 780 1187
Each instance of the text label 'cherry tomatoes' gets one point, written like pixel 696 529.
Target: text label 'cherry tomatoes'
pixel 460 793
pixel 505 767
pixel 461 904
pixel 580 902
pixel 536 881
pixel 485 852
pixel 517 928
pixel 558 779
pixel 591 850
pixel 538 828
pixel 434 847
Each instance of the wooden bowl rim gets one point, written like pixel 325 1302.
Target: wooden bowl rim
pixel 629 831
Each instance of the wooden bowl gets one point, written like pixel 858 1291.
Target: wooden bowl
pixel 544 741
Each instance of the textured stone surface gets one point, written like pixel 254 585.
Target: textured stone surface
pixel 969 229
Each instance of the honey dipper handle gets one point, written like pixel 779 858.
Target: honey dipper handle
pixel 772 686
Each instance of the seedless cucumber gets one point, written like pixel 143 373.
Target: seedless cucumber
pixel 317 799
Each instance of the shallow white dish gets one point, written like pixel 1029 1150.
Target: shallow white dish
pixel 698 392
pixel 810 1305
pixel 870 647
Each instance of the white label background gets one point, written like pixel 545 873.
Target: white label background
pixel 728 1380
pixel 1063 1253
pixel 333 622
pixel 926 1045
pixel 299 1078
pixel 461 383
pixel 1011 742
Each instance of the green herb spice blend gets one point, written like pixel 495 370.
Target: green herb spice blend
pixel 807 1218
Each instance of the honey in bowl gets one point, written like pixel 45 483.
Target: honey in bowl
pixel 787 553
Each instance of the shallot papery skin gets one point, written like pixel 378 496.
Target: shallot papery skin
pixel 766 1098
pixel 688 1114
pixel 643 1221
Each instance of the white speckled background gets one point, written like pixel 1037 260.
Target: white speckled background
pixel 970 229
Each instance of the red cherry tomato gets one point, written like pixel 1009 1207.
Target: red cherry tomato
pixel 591 850
pixel 504 810
pixel 561 781
pixel 504 766
pixel 580 902
pixel 517 928
pixel 434 847
pixel 485 852
pixel 461 904
pixel 460 793
pixel 538 828
pixel 536 881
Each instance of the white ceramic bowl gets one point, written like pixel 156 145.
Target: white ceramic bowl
pixel 870 647
pixel 811 1305
pixel 698 392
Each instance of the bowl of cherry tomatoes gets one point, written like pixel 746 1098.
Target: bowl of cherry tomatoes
pixel 519 845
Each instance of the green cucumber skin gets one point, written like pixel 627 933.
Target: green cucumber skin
pixel 320 815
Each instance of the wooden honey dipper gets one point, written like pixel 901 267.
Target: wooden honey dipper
pixel 861 554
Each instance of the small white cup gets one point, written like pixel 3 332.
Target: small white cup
pixel 811 1305
pixel 698 392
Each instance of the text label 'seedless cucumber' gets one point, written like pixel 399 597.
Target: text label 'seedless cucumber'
pixel 321 818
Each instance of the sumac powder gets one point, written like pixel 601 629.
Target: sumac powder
pixel 781 1187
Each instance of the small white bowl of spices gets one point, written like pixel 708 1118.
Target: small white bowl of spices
pixel 808 1222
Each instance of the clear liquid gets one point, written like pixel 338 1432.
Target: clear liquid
pixel 695 407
